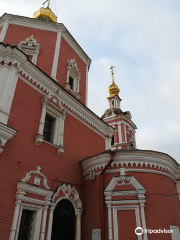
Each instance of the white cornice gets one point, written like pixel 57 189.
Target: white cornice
pixel 6 133
pixel 132 158
pixel 44 84
pixel 116 119
pixel 48 26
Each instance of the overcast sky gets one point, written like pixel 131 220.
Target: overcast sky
pixel 142 39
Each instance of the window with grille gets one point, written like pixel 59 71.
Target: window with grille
pixel 71 82
pixel 49 126
pixel 26 225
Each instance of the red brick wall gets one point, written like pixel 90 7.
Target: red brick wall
pixel 21 155
pixel 47 41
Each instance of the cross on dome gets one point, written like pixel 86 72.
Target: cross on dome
pixel 113 88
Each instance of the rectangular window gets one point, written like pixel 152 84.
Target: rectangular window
pixel 49 126
pixel 71 82
pixel 26 225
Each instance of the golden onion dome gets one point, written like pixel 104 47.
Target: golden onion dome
pixel 45 13
pixel 113 88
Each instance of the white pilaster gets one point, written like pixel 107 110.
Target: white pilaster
pixel 4 30
pixel 53 205
pixel 62 119
pixel 43 115
pixel 107 143
pixel 13 230
pixel 56 55
pixel 87 71
pixel 119 133
pixel 125 133
pixel 143 221
pixel 110 222
pixel 78 222
pixel 8 81
pixel 43 229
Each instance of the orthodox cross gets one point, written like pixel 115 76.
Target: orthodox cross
pixel 112 73
pixel 47 1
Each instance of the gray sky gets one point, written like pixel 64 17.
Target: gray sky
pixel 142 39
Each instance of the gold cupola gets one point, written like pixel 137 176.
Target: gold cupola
pixel 45 13
pixel 113 88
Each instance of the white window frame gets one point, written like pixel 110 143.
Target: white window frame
pixel 73 72
pixel 36 228
pixel 30 47
pixel 115 218
pixel 59 115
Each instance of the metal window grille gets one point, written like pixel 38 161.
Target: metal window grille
pixel 49 128
pixel 25 229
pixel 71 83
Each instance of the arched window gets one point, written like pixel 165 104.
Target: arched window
pixel 64 221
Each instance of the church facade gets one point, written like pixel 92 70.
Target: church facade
pixel 65 173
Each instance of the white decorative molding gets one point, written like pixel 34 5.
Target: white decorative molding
pixel 66 191
pixel 69 192
pixel 6 133
pixel 133 158
pixel 30 74
pixel 7 20
pixel 30 47
pixel 59 114
pixel 32 204
pixel 115 219
pixel 73 71
pixel 8 82
pixel 37 181
pixel 111 191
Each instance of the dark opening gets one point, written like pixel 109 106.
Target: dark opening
pixel 26 225
pixel 49 128
pixel 63 227
pixel 71 82
pixel 112 141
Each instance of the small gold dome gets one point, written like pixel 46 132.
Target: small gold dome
pixel 113 88
pixel 45 13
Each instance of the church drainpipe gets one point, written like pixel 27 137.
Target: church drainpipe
pixel 102 193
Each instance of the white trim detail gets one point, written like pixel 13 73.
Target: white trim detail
pixel 59 114
pixel 8 81
pixel 74 73
pixel 115 219
pixel 66 191
pixel 37 181
pixel 56 55
pixel 30 47
pixel 139 191
pixel 133 158
pixel 87 85
pixel 22 200
pixel 37 221
pixel 44 84
pixel 6 133
pixel 4 28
